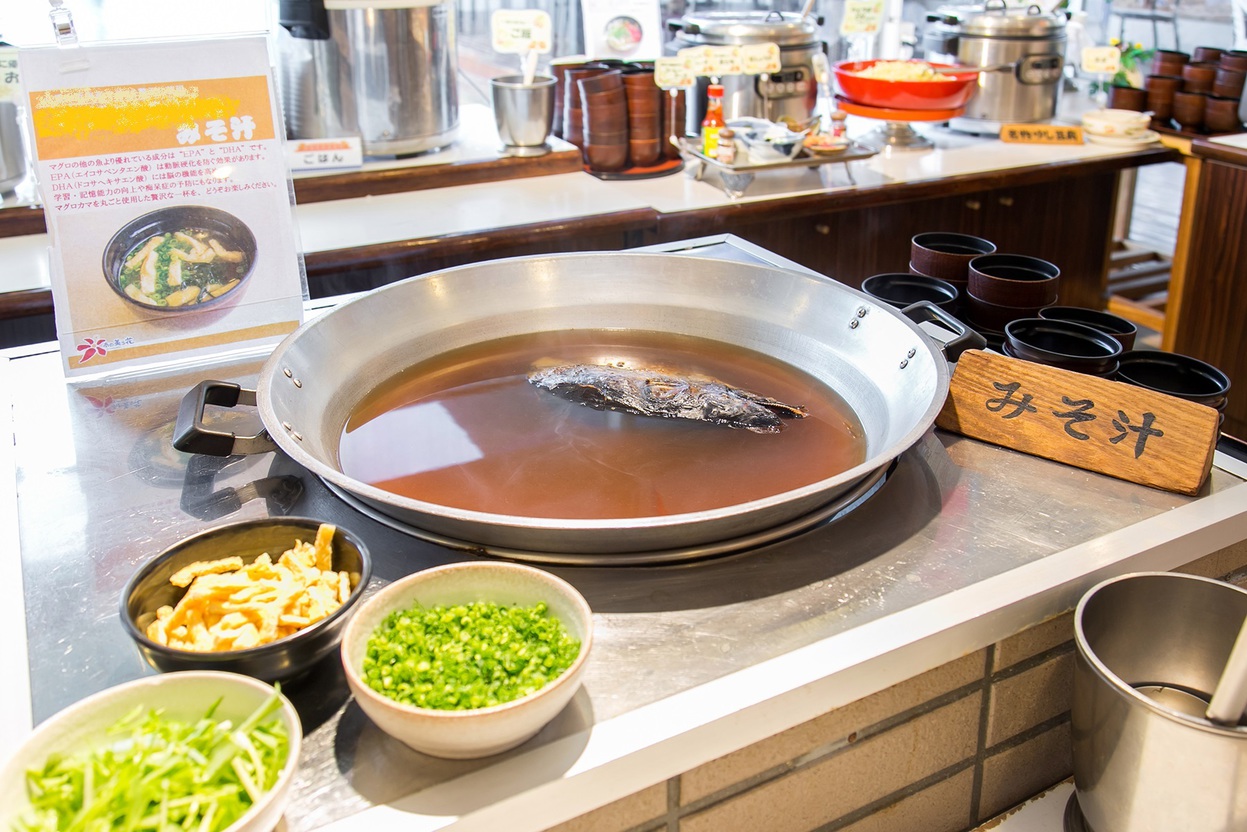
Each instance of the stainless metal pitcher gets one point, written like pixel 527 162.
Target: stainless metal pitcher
pixel 1151 649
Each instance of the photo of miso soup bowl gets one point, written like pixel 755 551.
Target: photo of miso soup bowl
pixel 468 659
pixel 180 258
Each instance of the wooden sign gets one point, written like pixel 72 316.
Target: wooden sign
pixel 1041 134
pixel 1085 421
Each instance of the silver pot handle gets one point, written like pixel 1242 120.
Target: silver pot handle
pixel 924 311
pixel 192 436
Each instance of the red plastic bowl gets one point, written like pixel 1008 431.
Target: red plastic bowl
pixel 950 91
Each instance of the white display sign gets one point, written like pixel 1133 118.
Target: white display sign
pixel 861 17
pixel 325 154
pixel 626 29
pixel 1101 60
pixel 673 72
pixel 520 31
pixel 761 57
pixel 167 199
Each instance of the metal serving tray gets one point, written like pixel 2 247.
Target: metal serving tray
pixel 736 179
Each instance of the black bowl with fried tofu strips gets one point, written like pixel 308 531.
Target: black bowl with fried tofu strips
pixel 180 258
pixel 266 598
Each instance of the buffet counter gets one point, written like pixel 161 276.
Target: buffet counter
pixel 848 221
pixel 717 690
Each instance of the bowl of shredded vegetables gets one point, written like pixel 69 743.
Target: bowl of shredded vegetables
pixel 468 659
pixel 201 750
pixel 269 598
pixel 906 85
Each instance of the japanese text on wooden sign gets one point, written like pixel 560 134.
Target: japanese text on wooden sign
pixel 1082 420
pixel 1040 134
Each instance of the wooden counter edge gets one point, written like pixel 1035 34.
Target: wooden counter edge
pixel 24 220
pixel 1218 152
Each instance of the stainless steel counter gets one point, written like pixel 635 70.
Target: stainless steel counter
pixel 963 544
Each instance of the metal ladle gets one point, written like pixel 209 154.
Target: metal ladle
pixel 1229 700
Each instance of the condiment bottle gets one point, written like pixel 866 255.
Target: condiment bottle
pixel 713 122
pixel 838 118
pixel 726 150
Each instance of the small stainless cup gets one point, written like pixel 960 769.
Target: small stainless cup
pixel 524 113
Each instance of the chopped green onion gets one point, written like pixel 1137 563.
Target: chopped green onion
pixel 467 656
pixel 160 773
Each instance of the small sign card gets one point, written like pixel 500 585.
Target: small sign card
pixel 325 154
pixel 696 59
pixel 1101 60
pixel 761 57
pixel 1081 420
pixel 724 60
pixel 520 31
pixel 626 29
pixel 167 199
pixel 861 17
pixel 1041 134
pixel 673 73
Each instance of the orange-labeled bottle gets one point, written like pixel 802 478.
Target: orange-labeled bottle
pixel 713 122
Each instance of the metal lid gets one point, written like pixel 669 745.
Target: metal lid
pixel 997 20
pixel 733 28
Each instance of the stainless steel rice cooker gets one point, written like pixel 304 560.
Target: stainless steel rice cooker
pixel 1022 51
pixel 792 92
pixel 383 70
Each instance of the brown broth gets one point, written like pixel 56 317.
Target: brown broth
pixel 467 430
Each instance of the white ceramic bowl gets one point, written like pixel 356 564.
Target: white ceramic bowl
pixel 183 695
pixel 1126 123
pixel 483 731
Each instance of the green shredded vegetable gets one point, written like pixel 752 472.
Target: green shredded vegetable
pixel 466 656
pixel 159 773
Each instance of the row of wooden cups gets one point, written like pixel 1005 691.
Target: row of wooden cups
pixel 615 114
pixel 1011 300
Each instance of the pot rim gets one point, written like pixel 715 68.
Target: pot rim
pixel 272 373
pixel 1124 688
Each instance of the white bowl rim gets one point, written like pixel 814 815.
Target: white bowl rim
pixel 76 710
pixel 400 585
pixel 1117 116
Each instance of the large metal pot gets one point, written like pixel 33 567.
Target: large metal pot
pixel 1022 53
pixel 1151 649
pixel 383 70
pixel 790 93
pixel 885 368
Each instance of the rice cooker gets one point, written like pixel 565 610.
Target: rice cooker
pixel 791 93
pixel 1022 53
